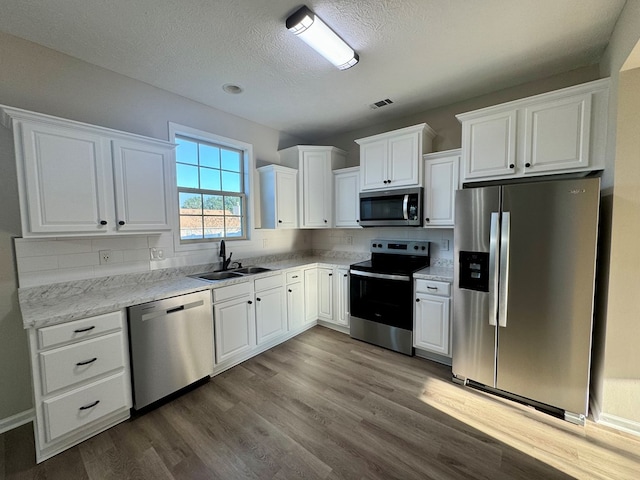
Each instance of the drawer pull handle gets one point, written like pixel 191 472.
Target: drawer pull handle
pixel 82 330
pixel 91 405
pixel 87 362
pixel 295 276
pixel 432 288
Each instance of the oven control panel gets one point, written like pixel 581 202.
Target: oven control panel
pixel 400 247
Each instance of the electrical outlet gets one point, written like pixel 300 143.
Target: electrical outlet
pixel 156 253
pixel 444 245
pixel 105 256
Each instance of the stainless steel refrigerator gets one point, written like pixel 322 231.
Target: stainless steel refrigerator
pixel 524 291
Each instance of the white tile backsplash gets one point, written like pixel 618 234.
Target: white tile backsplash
pixel 78 260
pixel 119 243
pixel 35 264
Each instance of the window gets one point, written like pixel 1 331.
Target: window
pixel 211 190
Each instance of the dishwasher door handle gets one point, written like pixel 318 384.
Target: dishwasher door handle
pixel 160 313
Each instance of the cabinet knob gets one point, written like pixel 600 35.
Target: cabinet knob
pixel 357 221
pixel 427 220
pixel 279 221
pixel 121 222
pixel 331 274
pixel 290 291
pixel 417 300
pixel 103 222
pixel 250 302
pixel 527 164
pixel 345 275
pixel 512 165
pixel 258 299
pixel 325 221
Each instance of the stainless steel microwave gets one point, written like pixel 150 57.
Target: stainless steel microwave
pixel 391 208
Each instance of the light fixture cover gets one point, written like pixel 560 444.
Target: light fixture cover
pixel 315 33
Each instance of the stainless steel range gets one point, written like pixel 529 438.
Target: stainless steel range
pixel 381 293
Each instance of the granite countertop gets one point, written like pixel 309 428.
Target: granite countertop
pixel 59 303
pixel 442 274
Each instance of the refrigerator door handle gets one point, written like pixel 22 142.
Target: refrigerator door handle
pixel 493 266
pixel 503 292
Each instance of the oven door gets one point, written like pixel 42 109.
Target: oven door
pixel 381 298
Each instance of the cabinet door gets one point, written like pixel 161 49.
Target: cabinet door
pixel 234 327
pixel 311 295
pixel 373 165
pixel 431 330
pixel 489 145
pixel 325 294
pixel 557 134
pixel 67 179
pixel 347 200
pixel 271 314
pixel 142 186
pixel 342 297
pixel 317 190
pixel 286 200
pixel 404 160
pixel 295 305
pixel 441 183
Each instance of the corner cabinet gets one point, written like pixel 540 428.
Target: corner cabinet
pixel 557 132
pixel 81 380
pixel 394 159
pixel 315 181
pixel 75 178
pixel 441 177
pixel 347 198
pixel 278 197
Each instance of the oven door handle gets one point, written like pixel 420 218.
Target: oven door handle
pixel 405 207
pixel 383 276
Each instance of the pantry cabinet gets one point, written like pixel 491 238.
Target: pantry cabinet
pixel 315 181
pixel 81 380
pixel 441 177
pixel 279 197
pixel 557 132
pixel 394 159
pixel 75 178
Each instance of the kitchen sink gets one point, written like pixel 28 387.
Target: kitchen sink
pixel 250 270
pixel 226 274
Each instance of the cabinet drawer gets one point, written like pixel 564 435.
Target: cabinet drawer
pixel 433 287
pixel 268 282
pixel 232 291
pixel 82 361
pixel 294 276
pixel 82 406
pixel 79 329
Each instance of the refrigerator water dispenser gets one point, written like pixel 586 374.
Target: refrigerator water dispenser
pixel 474 271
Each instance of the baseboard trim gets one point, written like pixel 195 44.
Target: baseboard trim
pixel 16 420
pixel 619 423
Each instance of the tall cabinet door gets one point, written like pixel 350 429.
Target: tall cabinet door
pixel 286 200
pixel 317 189
pixel 441 183
pixel 142 179
pixel 544 340
pixel 325 294
pixel 68 179
pixel 310 295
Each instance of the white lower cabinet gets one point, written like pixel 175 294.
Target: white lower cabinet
pixel 271 309
pixel 310 295
pixel 333 296
pixel 325 294
pixel 342 296
pixel 432 317
pixel 295 299
pixel 234 325
pixel 81 380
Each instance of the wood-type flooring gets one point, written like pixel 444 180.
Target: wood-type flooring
pixel 324 406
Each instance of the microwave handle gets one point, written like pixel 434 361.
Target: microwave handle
pixel 405 206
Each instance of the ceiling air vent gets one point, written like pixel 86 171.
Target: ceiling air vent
pixel 380 103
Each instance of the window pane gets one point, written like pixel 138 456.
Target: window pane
pixel 212 204
pixel 190 227
pixel 213 227
pixel 231 182
pixel 187 176
pixel 231 160
pixel 190 203
pixel 209 179
pixel 233 205
pixel 233 226
pixel 186 151
pixel 209 156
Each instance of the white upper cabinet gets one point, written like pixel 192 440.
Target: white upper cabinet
pixel 315 181
pixel 394 159
pixel 75 178
pixel 441 177
pixel 557 132
pixel 347 200
pixel 279 196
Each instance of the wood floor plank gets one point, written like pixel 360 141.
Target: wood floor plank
pixel 323 406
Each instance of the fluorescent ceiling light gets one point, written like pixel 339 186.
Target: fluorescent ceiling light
pixel 315 33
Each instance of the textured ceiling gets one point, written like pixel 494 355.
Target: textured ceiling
pixel 419 53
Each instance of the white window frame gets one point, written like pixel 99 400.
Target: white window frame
pixel 248 167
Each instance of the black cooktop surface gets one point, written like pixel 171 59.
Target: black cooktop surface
pixel 392 264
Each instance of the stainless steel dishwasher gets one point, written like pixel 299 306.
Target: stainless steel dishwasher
pixel 171 344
